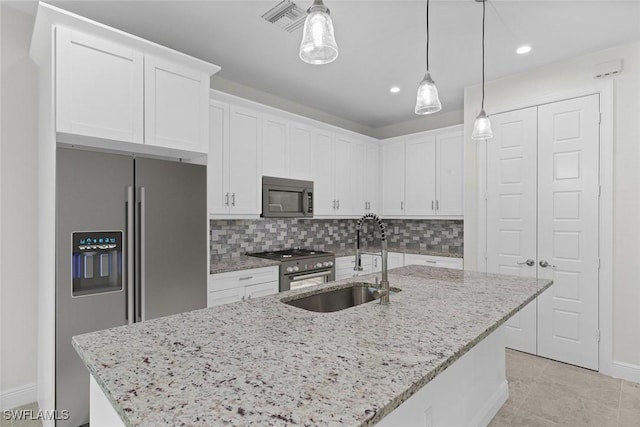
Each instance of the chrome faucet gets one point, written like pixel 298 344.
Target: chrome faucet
pixel 384 292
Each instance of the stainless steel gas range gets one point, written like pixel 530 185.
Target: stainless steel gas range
pixel 301 267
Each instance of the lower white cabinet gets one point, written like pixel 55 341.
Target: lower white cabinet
pixel 345 265
pixel 225 288
pixel 433 261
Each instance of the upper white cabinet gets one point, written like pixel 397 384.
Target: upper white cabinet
pixel 275 141
pixel 176 101
pixel 99 87
pixel 114 93
pixel 393 178
pixel 323 165
pixel 300 150
pixel 422 175
pixel 234 169
pixel 371 183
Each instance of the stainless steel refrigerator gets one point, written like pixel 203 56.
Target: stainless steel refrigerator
pixel 131 245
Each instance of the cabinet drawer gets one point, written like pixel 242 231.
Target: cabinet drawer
pixel 225 296
pixel 242 278
pixel 434 261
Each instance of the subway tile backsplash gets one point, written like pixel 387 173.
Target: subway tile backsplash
pixel 231 238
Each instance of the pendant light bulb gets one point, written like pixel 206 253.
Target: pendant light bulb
pixel 318 44
pixel 482 127
pixel 427 101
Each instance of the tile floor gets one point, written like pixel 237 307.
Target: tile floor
pixel 546 393
pixel 543 393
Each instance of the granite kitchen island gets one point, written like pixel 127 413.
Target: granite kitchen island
pixel 265 362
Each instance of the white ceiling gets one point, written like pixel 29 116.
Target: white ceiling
pixel 381 44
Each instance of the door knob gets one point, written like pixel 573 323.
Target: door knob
pixel 528 262
pixel 545 264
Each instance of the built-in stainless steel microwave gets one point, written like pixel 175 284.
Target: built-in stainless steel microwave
pixel 286 198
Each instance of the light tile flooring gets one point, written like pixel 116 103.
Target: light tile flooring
pixel 543 393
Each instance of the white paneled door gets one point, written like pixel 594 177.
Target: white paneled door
pixel 511 212
pixel 542 221
pixel 568 179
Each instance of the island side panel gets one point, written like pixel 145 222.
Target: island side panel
pixel 101 412
pixel 468 393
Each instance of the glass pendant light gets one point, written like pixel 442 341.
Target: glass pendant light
pixel 427 101
pixel 482 125
pixel 318 44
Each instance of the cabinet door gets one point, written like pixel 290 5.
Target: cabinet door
pixel 450 174
pixel 323 165
pixel 372 178
pixel 275 139
pixel 176 106
pixel 395 260
pixel 420 176
pixel 244 152
pixel 393 179
pixel 261 290
pixel 99 88
pixel 344 176
pixel 217 166
pixel 300 158
pixel 226 296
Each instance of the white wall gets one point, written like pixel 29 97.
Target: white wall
pixel 18 193
pixel 569 75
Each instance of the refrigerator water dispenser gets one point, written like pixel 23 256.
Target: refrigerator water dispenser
pixel 96 262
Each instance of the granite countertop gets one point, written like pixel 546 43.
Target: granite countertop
pixel 243 262
pixel 260 361
pixel 246 262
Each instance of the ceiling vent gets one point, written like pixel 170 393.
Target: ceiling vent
pixel 286 15
pixel 607 69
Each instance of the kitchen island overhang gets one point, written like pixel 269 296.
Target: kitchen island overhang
pixel 265 361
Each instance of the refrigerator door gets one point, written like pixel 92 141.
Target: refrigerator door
pixel 91 191
pixel 172 213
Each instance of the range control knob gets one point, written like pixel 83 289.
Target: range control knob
pixel 330 263
pixel 289 269
pixel 295 268
pixel 325 264
pixel 319 265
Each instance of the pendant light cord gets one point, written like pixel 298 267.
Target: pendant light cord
pixel 427 35
pixel 483 12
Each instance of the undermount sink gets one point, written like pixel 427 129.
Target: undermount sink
pixel 339 299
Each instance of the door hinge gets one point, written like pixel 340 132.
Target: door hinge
pixel 486 196
pixel 599 118
pixel 598 335
pixel 599 190
pixel 598 263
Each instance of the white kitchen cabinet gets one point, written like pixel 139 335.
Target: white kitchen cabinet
pixel 347 176
pixel 433 261
pixel 395 260
pixel 176 106
pixel 371 182
pixel 344 266
pixel 323 167
pixel 225 288
pixel 422 176
pixel 300 152
pixel 99 87
pixel 393 178
pixel 450 174
pixel 118 94
pixel 233 171
pixel 275 141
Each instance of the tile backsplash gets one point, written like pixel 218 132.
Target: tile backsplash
pixel 232 238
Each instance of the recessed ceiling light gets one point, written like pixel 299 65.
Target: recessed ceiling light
pixel 523 49
pixel 394 89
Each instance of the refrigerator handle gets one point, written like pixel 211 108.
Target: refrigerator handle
pixel 141 251
pixel 129 230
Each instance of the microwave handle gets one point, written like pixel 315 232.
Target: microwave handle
pixel 305 202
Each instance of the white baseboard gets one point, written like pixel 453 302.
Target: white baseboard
pixel 18 396
pixel 626 371
pixel 492 406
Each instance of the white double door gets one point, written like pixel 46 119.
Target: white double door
pixel 542 221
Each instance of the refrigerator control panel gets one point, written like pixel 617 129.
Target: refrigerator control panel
pixel 96 262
